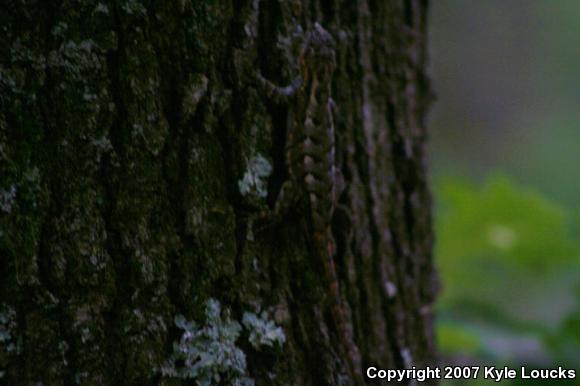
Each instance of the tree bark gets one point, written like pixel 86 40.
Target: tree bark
pixel 126 129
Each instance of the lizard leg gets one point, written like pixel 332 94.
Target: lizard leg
pixel 280 94
pixel 286 199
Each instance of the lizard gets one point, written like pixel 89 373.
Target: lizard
pixel 310 159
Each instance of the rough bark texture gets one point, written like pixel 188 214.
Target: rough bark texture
pixel 125 128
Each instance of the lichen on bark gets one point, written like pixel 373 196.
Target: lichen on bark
pixel 125 128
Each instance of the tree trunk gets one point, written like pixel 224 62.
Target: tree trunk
pixel 134 156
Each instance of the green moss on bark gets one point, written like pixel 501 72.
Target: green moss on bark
pixel 124 130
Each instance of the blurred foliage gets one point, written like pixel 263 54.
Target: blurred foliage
pixel 506 78
pixel 500 232
pixel 564 343
pixel 458 338
pixel 509 263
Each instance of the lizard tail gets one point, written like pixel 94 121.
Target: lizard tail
pixel 338 310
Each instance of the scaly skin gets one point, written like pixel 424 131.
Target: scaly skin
pixel 310 158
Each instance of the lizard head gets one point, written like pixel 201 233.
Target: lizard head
pixel 318 56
